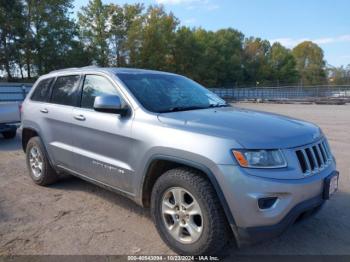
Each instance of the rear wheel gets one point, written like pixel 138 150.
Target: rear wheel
pixel 188 214
pixel 9 134
pixel 39 167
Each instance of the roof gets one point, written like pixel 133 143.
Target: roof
pixel 112 70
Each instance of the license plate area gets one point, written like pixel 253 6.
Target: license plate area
pixel 330 185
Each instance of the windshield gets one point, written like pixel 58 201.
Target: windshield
pixel 163 93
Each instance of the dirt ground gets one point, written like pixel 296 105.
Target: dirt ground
pixel 75 217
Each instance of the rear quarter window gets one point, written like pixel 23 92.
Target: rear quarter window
pixel 65 89
pixel 42 90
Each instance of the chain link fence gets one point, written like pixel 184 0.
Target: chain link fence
pixel 18 91
pixel 284 93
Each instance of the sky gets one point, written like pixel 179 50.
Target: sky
pixel 326 22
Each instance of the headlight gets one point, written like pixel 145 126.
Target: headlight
pixel 260 158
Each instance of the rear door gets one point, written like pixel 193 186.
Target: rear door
pixel 35 113
pixel 103 144
pixel 58 116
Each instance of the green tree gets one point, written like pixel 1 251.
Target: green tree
pixel 50 39
pixel 215 57
pixel 203 70
pixel 121 19
pixel 339 75
pixel 94 30
pixel 256 53
pixel 28 43
pixel 310 63
pixel 39 36
pixel 228 46
pixel 151 40
pixel 133 43
pixel 11 32
pixel 186 53
pixel 282 64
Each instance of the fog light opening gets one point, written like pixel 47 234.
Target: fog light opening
pixel 266 202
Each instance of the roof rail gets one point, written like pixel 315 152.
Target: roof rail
pixel 64 69
pixel 90 66
pixel 72 68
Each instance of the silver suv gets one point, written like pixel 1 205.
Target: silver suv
pixel 205 169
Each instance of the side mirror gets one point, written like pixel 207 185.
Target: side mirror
pixel 109 104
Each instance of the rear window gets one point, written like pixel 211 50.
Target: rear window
pixel 42 91
pixel 65 89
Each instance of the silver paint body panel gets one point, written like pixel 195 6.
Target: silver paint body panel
pixel 116 151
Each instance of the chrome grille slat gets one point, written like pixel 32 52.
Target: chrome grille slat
pixel 320 155
pixel 302 160
pixel 307 161
pixel 323 153
pixel 310 158
pixel 314 157
pixel 326 150
pixel 317 156
pixel 316 166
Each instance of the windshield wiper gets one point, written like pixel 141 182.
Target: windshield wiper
pixel 182 108
pixel 187 108
pixel 219 105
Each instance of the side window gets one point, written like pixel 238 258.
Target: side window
pixel 65 90
pixel 42 91
pixel 95 85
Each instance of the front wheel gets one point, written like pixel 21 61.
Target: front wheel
pixel 188 214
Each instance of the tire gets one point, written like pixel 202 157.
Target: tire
pixel 215 231
pixel 47 174
pixel 9 134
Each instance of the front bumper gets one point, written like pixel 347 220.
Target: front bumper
pixel 251 235
pixel 294 197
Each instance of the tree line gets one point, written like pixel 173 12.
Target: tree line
pixel 37 37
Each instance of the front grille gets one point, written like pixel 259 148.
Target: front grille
pixel 313 158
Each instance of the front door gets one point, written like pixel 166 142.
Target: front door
pixel 102 142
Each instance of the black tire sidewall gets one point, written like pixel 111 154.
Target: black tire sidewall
pixel 35 141
pixel 166 183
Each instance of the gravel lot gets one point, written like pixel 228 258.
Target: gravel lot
pixel 74 217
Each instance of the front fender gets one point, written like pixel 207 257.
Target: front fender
pixel 191 160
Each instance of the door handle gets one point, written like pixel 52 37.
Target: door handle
pixel 79 117
pixel 44 110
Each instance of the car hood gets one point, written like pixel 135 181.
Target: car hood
pixel 251 129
